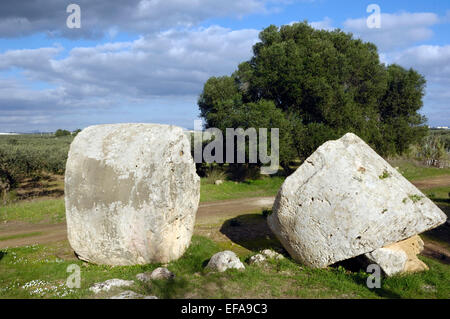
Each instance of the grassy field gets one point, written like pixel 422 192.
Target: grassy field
pixel 413 171
pixel 267 186
pixel 41 271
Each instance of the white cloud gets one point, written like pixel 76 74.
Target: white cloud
pixel 397 30
pixel 433 62
pixel 18 18
pixel 167 64
pixel 325 24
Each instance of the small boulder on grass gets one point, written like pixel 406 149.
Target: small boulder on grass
pixel 224 260
pixel 160 273
pixel 269 253
pixel 109 284
pixel 264 255
pixel 257 259
pixel 145 276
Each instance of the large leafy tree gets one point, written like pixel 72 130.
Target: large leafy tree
pixel 326 83
pixel 222 105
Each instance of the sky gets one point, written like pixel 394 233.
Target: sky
pixel 147 60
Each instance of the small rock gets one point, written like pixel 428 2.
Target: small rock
pixel 400 257
pixel 161 274
pixel 391 261
pixel 257 259
pixel 218 182
pixel 145 276
pixel 429 288
pixel 269 253
pixel 128 294
pixel 109 284
pixel 225 260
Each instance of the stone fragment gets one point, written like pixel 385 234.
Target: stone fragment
pixel 269 253
pixel 257 259
pixel 109 284
pixel 224 260
pixel 400 257
pixel 162 273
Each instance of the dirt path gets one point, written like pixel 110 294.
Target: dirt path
pixel 439 181
pixel 23 233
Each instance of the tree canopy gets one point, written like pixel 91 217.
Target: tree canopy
pixel 316 85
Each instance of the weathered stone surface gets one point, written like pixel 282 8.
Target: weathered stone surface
pixel 264 255
pixel 224 260
pixel 345 201
pixel 391 261
pixel 257 259
pixel 128 294
pixel 269 253
pixel 109 284
pixel 162 273
pixel 145 276
pixel 131 193
pixel 400 257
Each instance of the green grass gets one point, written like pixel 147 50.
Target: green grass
pixel 50 211
pixel 267 186
pixel 440 195
pixel 42 268
pixel 413 171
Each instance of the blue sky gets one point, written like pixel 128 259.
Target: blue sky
pixel 147 60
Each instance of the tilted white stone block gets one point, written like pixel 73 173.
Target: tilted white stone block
pixel 344 201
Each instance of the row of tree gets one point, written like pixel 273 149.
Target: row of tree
pixel 316 85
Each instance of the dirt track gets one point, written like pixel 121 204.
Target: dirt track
pixel 438 181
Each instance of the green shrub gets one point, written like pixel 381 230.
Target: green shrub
pixel 29 156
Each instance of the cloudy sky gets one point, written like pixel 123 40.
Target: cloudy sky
pixel 147 60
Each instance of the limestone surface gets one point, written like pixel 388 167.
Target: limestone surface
pixel 269 253
pixel 162 273
pixel 224 260
pixel 109 284
pixel 344 201
pixel 131 194
pixel 257 259
pixel 400 257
